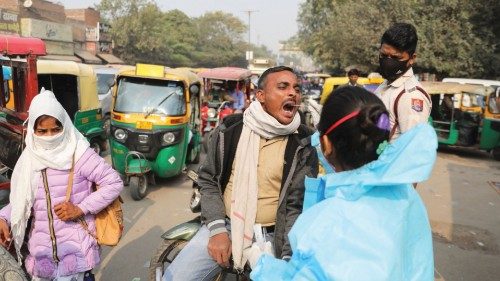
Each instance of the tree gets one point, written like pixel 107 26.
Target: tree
pixel 143 33
pixel 137 30
pixel 221 40
pixel 181 36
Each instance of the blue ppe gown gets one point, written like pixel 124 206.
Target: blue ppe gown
pixel 364 224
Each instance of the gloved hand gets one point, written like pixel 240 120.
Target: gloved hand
pixel 254 253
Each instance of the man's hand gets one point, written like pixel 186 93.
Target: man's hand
pixel 4 234
pixel 66 211
pixel 219 248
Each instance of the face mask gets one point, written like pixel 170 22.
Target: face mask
pixel 48 142
pixel 391 68
pixel 321 157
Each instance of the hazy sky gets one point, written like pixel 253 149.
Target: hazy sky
pixel 274 20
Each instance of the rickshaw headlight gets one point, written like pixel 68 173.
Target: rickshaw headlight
pixel 121 135
pixel 168 138
pixel 211 113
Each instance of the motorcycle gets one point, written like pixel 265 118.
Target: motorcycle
pixel 212 114
pixel 178 236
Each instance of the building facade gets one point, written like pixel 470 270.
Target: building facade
pixel 69 34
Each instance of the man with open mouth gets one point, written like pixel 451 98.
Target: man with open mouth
pixel 253 175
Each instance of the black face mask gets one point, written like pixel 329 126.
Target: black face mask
pixel 391 68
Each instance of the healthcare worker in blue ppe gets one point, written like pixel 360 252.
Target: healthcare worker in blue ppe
pixel 363 220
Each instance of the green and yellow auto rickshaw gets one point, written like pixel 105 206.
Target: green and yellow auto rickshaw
pixel 74 85
pixel 465 115
pixel 155 124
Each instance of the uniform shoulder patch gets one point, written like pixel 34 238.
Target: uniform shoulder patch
pixel 417 105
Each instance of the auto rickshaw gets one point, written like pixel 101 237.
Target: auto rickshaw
pixel 465 115
pixel 18 86
pixel 218 84
pixel 155 124
pixel 75 87
pixel 333 83
pixel 8 87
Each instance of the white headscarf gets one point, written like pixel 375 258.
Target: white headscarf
pixel 34 158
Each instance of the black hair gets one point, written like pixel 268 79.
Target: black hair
pixel 357 139
pixel 43 117
pixel 353 71
pixel 262 79
pixel 402 36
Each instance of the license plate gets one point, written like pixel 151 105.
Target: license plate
pixel 144 125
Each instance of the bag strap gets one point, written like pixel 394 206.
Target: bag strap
pixel 395 108
pixel 70 179
pixel 81 220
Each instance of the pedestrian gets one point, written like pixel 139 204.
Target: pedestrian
pixel 353 75
pixel 402 94
pixel 253 174
pixel 365 221
pixel 56 155
pixel 238 98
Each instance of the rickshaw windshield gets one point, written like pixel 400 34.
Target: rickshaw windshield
pixel 136 95
pixel 104 81
pixel 473 100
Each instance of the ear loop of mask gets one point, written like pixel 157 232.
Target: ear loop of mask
pixel 329 168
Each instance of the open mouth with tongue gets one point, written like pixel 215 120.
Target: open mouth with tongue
pixel 289 108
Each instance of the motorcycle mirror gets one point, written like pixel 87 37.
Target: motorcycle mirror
pixel 194 89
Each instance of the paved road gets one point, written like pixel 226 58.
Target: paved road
pixel 166 205
pixel 463 207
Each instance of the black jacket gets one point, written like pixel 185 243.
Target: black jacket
pixel 300 161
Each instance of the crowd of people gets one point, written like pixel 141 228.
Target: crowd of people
pixel 360 220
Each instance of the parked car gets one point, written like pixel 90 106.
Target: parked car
pixel 105 80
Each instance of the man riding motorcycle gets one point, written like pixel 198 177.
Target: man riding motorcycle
pixel 241 182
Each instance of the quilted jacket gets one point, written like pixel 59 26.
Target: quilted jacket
pixel 75 248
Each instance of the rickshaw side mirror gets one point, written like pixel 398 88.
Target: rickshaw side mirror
pixel 194 89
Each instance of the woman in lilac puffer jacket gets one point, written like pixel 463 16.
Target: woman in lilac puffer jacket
pixel 59 247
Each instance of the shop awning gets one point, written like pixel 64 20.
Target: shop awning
pixel 88 57
pixel 60 57
pixel 111 59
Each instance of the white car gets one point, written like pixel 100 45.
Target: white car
pixel 105 80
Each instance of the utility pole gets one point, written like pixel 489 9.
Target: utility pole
pixel 249 12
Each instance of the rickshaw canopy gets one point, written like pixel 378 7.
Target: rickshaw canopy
pixel 87 81
pixel 189 76
pixel 333 82
pixel 21 46
pixel 434 88
pixel 317 75
pixel 226 73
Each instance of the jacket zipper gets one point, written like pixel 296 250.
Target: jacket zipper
pixel 51 218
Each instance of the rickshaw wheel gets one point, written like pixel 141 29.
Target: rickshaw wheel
pixel 138 187
pixel 95 146
pixel 106 125
pixel 9 269
pixel 496 153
